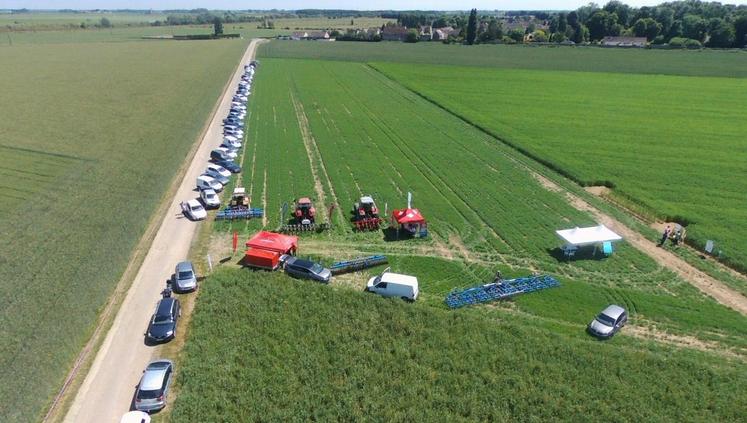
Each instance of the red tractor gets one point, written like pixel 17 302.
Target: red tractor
pixel 366 214
pixel 305 211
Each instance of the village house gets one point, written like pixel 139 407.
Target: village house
pixel 394 33
pixel 310 35
pixel 624 42
pixel 426 33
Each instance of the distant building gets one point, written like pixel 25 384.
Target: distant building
pixel 426 33
pixel 310 35
pixel 394 33
pixel 441 34
pixel 624 42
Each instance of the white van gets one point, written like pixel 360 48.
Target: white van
pixel 206 182
pixel 390 284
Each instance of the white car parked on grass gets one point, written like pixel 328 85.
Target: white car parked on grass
pixel 228 154
pixel 220 169
pixel 209 198
pixel 194 210
pixel 390 284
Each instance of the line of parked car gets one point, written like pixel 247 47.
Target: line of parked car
pixel 156 379
pixel 222 158
pixel 155 382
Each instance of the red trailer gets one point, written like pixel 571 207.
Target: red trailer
pixel 266 248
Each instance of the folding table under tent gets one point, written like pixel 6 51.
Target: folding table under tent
pixel 598 236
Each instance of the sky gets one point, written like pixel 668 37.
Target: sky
pixel 315 4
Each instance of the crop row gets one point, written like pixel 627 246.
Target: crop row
pixel 464 182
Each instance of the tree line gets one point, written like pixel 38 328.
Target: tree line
pixel 678 23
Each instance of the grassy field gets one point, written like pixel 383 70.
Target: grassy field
pixel 588 59
pixel 264 347
pixel 336 130
pixel 329 23
pixel 91 136
pixel 39 20
pixel 682 161
pixel 119 34
pixel 348 144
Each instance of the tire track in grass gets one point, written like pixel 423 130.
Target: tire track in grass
pixel 704 282
pixel 393 137
pixel 312 151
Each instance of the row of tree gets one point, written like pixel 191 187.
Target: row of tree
pixel 688 22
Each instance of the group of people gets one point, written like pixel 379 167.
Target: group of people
pixel 675 235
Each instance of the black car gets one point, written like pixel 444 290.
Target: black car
pixel 229 165
pixel 162 325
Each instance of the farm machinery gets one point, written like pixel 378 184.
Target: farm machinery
pixel 304 217
pixel 499 289
pixel 366 214
pixel 357 264
pixel 238 207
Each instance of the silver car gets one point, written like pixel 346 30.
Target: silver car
pixel 184 278
pixel 608 322
pixel 154 386
pixel 305 269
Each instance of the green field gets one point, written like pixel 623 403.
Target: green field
pixel 120 33
pixel 586 59
pixel 640 134
pixel 264 347
pixel 40 20
pixel 329 23
pixel 334 131
pixel 672 144
pixel 90 138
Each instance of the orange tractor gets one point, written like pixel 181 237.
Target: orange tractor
pixel 366 214
pixel 305 212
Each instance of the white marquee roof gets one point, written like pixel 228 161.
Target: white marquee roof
pixel 588 236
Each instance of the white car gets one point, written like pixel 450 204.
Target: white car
pixel 228 154
pixel 194 210
pixel 208 182
pixel 220 169
pixel 390 284
pixel 209 198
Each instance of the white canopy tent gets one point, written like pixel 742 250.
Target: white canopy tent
pixel 581 237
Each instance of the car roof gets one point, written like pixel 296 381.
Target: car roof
pixel 209 192
pixel 205 177
pixel 295 261
pixel 193 203
pixel 367 199
pixel 304 200
pixel 400 279
pixel 186 265
pixel 154 375
pixel 613 311
pixel 164 306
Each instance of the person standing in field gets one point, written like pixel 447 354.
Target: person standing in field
pixel 665 235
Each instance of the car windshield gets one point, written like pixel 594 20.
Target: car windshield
pixel 605 319
pixel 210 196
pixel 197 208
pixel 185 275
pixel 316 268
pixel 159 320
pixel 149 394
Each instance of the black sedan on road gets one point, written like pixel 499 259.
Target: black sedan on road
pixel 162 325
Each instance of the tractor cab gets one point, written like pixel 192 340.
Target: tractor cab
pixel 305 211
pixel 366 207
pixel 239 199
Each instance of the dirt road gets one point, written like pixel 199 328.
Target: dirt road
pixel 107 391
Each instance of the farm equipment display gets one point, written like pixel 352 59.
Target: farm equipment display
pixel 357 264
pixel 366 214
pixel 499 289
pixel 238 207
pixel 304 217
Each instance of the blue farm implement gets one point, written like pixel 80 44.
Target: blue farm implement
pixel 357 264
pixel 499 290
pixel 230 213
